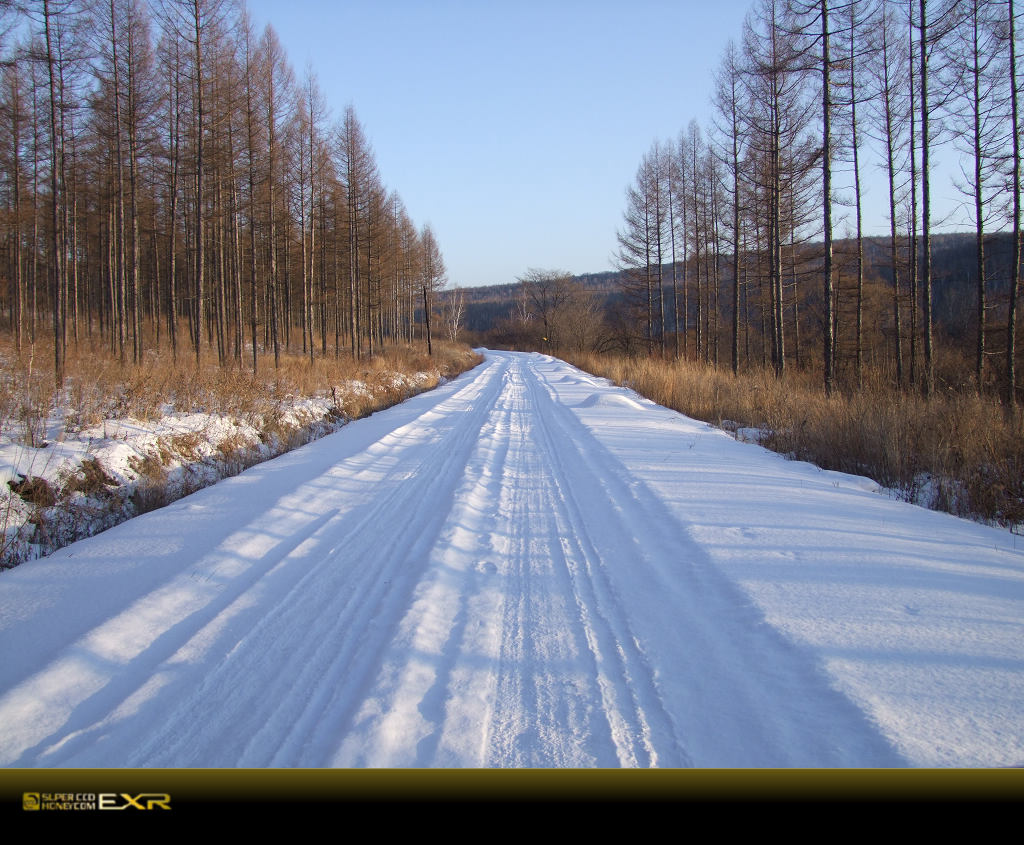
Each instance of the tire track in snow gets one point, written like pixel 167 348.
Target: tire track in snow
pixel 461 664
pixel 460 700
pixel 361 581
pixel 722 671
pixel 531 664
pixel 269 636
pixel 641 728
pixel 399 721
pixel 548 682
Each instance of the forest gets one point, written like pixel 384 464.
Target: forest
pixel 731 234
pixel 167 182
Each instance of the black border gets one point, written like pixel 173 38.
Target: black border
pixel 206 789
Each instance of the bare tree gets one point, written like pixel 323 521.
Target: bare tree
pixel 889 112
pixel 544 294
pixel 929 35
pixel 979 122
pixel 639 244
pixel 1011 320
pixel 454 310
pixel 51 17
pixel 195 22
pixel 728 104
pixel 15 118
pixel 358 173
pixel 777 122
pixel 433 276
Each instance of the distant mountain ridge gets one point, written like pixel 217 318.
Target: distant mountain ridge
pixel 953 266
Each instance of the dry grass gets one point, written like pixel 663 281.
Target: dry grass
pixel 98 387
pixel 958 452
pixel 34 490
pixel 89 479
pixel 26 392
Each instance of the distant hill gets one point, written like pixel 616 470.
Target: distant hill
pixel 953 266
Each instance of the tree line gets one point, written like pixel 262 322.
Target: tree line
pixel 167 181
pixel 729 230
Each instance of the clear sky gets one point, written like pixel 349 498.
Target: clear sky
pixel 514 126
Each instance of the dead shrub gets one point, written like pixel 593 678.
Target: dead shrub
pixel 150 465
pixel 33 421
pixel 88 479
pixel 34 490
pixel 355 406
pixel 151 493
pixel 236 453
pixel 187 445
pixel 271 427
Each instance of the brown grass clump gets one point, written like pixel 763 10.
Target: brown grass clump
pixel 88 479
pixel 236 453
pixel 34 490
pixel 958 451
pixel 152 466
pixel 152 491
pixel 187 445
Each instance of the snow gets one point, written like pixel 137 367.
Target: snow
pixel 525 567
pixel 162 458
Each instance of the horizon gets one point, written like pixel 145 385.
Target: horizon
pixel 526 164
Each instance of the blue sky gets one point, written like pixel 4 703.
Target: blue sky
pixel 514 126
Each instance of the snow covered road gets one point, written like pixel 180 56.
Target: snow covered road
pixel 525 567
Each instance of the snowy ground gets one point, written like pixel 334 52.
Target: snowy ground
pixel 74 481
pixel 525 567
